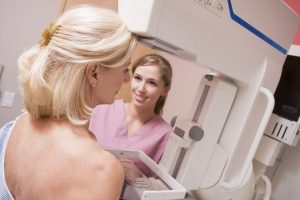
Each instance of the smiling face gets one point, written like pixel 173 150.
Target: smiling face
pixel 147 86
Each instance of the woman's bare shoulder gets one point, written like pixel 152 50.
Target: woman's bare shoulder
pixel 92 173
pixel 104 178
pixel 99 174
pixel 73 164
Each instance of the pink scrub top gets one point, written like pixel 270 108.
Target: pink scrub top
pixel 108 123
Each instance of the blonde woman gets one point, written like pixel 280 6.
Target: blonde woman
pixel 48 152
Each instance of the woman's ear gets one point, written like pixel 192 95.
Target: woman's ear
pixel 92 73
pixel 166 91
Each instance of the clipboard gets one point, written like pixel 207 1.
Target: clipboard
pixel 154 184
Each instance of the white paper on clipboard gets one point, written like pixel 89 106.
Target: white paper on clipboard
pixel 155 184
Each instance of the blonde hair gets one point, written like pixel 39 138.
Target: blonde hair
pixel 165 71
pixel 52 73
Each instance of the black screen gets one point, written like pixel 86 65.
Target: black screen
pixel 287 94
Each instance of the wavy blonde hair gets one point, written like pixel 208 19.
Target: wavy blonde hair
pixel 52 73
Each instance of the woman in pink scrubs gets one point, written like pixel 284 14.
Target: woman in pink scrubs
pixel 138 125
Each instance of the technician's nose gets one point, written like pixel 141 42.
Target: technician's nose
pixel 142 86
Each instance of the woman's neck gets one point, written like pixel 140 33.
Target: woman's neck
pixel 142 115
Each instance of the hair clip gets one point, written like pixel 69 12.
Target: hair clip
pixel 47 35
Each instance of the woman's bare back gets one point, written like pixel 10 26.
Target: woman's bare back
pixel 52 159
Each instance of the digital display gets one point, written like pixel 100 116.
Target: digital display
pixel 287 94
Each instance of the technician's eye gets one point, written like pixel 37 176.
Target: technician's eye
pixel 153 83
pixel 137 78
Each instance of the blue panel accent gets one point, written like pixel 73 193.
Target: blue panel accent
pixel 254 30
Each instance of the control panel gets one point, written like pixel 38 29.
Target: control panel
pixel 215 6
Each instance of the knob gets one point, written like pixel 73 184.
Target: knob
pixel 196 133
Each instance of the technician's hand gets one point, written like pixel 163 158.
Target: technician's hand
pixel 132 172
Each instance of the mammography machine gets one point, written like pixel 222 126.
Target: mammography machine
pixel 224 132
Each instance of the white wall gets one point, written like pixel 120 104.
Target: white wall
pixel 21 24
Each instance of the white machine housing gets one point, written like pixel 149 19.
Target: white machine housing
pixel 245 42
pixel 198 138
pixel 283 127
